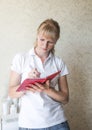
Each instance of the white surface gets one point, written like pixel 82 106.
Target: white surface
pixel 10 117
pixel 13 125
pixel 9 122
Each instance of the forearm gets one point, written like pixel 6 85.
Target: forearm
pixel 14 83
pixel 13 93
pixel 58 95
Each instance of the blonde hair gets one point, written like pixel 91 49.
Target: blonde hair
pixel 49 28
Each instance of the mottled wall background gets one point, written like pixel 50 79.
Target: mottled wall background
pixel 19 20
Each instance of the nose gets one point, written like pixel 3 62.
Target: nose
pixel 45 44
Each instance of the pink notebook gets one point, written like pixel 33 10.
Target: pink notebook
pixel 26 82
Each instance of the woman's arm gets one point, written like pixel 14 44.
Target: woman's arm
pixel 14 83
pixel 63 94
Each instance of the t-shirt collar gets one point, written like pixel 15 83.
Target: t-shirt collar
pixel 32 53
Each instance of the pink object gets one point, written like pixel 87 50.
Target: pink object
pixel 27 82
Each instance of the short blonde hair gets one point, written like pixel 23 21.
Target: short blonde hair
pixel 50 28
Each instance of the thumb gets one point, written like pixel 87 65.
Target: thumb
pixel 48 82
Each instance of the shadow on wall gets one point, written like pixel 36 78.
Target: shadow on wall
pixel 78 110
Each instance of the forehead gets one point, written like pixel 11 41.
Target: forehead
pixel 47 35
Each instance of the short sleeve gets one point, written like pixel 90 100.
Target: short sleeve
pixel 16 64
pixel 63 68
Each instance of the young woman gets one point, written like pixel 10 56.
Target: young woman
pixel 41 104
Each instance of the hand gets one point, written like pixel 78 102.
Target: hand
pixel 39 87
pixel 20 94
pixel 34 73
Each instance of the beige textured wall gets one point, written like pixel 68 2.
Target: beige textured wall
pixel 19 20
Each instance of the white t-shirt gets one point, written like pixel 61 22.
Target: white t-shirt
pixel 38 110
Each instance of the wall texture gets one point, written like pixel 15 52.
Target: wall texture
pixel 19 20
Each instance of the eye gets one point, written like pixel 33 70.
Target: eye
pixel 51 43
pixel 41 39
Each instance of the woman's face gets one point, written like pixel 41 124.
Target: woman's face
pixel 45 43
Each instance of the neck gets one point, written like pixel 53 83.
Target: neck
pixel 42 55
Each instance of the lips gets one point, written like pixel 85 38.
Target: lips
pixel 44 49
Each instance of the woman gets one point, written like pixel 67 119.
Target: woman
pixel 41 104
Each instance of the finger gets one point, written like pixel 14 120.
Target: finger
pixel 36 72
pixel 48 82
pixel 30 89
pixel 32 74
pixel 33 86
pixel 38 89
pixel 39 86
